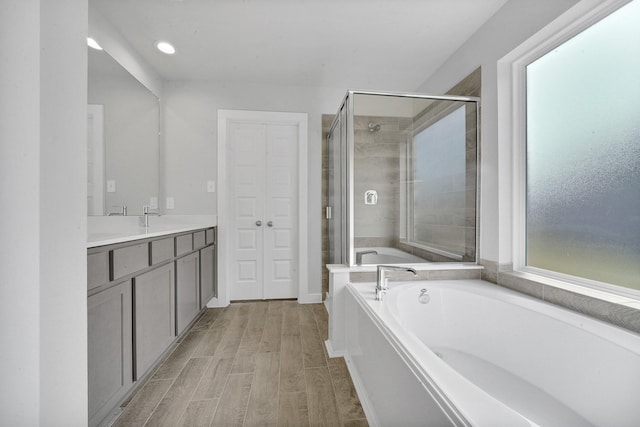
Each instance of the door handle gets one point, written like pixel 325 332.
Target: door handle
pixel 258 223
pixel 270 223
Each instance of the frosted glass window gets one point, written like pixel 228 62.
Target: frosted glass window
pixel 583 154
pixel 438 154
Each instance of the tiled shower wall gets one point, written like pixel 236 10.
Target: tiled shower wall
pixel 377 167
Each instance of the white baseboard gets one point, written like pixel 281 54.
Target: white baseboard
pixel 328 303
pixel 216 303
pixel 310 299
pixel 331 352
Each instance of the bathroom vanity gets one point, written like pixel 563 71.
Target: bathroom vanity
pixel 144 291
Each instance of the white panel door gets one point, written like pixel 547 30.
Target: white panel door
pixel 247 143
pixel 280 267
pixel 262 203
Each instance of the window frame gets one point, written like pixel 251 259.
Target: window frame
pixel 513 68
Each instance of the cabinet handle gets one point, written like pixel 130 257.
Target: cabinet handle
pixel 270 223
pixel 258 223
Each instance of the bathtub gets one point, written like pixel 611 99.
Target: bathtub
pixel 481 355
pixel 388 256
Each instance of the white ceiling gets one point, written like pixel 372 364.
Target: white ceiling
pixel 350 44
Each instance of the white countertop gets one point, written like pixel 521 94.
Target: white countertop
pixel 108 230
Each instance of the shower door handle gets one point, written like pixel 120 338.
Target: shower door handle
pixel 258 223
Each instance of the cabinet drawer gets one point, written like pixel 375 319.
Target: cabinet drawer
pixel 130 259
pixel 184 244
pixel 211 236
pixel 199 240
pixel 161 250
pixel 97 269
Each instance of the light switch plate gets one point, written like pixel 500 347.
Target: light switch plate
pixel 153 203
pixel 111 186
pixel 211 186
pixel 170 204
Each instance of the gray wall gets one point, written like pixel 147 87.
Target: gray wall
pixel 190 130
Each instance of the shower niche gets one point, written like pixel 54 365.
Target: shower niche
pixel 402 179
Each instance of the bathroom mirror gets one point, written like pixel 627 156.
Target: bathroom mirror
pixel 123 119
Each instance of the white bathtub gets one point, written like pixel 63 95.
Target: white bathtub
pixel 478 354
pixel 388 256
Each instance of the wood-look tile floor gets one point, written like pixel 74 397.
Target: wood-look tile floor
pixel 250 364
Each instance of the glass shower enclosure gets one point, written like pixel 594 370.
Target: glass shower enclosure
pixel 402 179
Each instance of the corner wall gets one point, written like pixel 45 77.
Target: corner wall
pixel 43 314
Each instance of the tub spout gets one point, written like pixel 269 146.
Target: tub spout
pixel 359 256
pixel 382 284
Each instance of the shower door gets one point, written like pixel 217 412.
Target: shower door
pixel 336 214
pixel 418 154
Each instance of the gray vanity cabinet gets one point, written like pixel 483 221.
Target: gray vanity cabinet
pixel 154 316
pixel 141 296
pixel 188 289
pixel 208 288
pixel 109 325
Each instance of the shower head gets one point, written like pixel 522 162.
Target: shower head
pixel 374 127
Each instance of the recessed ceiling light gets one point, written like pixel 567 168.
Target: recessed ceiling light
pixel 94 44
pixel 165 47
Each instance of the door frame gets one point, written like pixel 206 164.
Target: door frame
pixel 265 117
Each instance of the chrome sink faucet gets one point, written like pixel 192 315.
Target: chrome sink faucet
pixel 359 256
pixel 146 213
pixel 382 284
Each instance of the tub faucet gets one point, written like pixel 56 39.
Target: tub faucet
pixel 360 254
pixel 146 213
pixel 382 285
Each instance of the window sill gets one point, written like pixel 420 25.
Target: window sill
pixel 620 310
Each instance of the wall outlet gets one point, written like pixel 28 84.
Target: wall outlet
pixel 170 204
pixel 211 186
pixel 153 203
pixel 111 186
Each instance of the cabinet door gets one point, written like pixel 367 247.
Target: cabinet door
pixel 154 315
pixel 110 356
pixel 208 274
pixel 188 289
